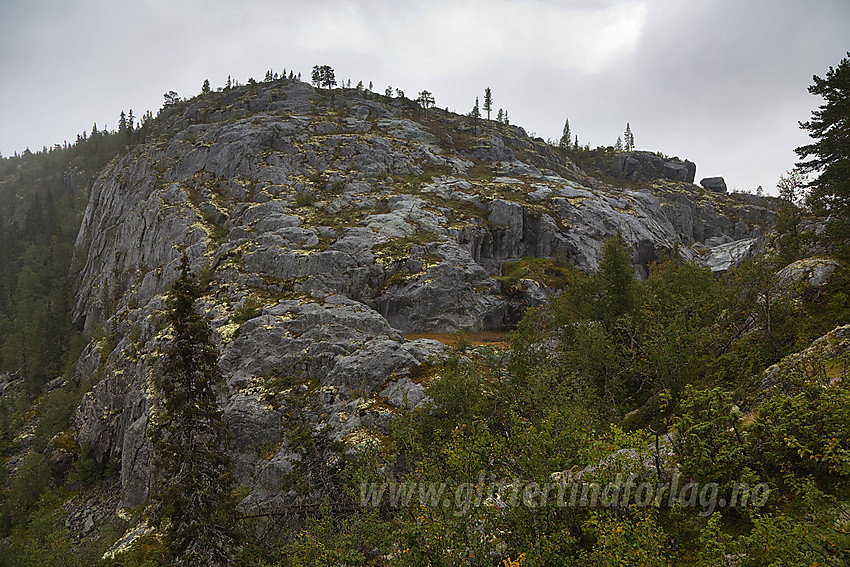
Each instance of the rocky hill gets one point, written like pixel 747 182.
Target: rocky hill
pixel 331 224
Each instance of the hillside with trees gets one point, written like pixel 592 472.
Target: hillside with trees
pixel 280 325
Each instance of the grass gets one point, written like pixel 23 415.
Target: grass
pixel 400 247
pixel 480 338
pixel 304 199
pixel 247 311
pixel 551 272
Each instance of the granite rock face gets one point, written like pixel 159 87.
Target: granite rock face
pixel 328 227
pixel 646 166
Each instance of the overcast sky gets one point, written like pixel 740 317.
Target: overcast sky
pixel 722 83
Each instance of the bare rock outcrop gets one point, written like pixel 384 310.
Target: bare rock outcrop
pixel 327 227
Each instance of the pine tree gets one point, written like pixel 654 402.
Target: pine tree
pixel 507 119
pixel 205 88
pixel 388 92
pixel 229 84
pixel 122 122
pixel 488 102
pixel 426 100
pixel 500 116
pixel 323 76
pixel 829 155
pixel 193 499
pixel 564 142
pixel 618 147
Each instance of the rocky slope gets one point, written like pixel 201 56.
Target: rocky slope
pixel 329 225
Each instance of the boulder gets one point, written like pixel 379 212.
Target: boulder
pixel 714 184
pixel 808 272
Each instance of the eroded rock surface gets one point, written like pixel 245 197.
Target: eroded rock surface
pixel 328 227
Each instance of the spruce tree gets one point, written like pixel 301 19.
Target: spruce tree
pixel 628 139
pixel 488 102
pixel 475 113
pixel 564 142
pixel 205 88
pixel 192 503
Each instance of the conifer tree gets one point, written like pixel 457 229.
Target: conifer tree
pixel 829 155
pixel 323 76
pixel 192 503
pixel 564 142
pixel 628 139
pixel 426 100
pixel 618 147
pixel 475 112
pixel 488 102
pixel 500 116
pixel 205 88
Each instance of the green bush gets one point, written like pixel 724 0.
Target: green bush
pixel 304 199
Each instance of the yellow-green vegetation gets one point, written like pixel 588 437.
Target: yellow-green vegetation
pixel 400 248
pixel 551 272
pixel 669 347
